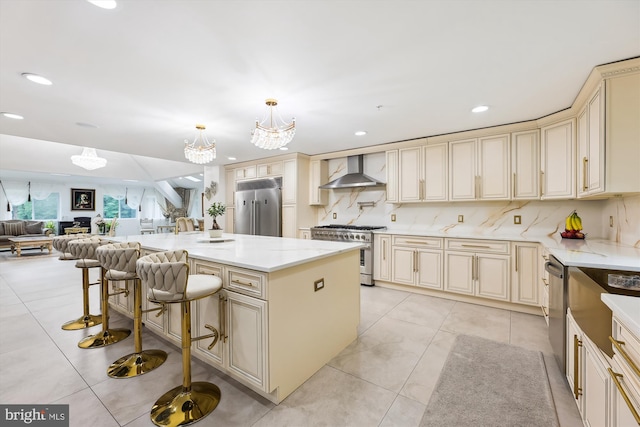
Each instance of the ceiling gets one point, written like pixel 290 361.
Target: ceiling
pixel 146 72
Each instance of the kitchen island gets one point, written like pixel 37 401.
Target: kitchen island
pixel 287 306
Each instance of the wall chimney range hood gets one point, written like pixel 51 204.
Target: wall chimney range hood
pixel 355 177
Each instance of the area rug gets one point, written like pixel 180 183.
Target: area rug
pixel 487 383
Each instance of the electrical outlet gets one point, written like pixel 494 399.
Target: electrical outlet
pixel 517 219
pixel 335 215
pixel 460 218
pixel 610 221
pixel 318 284
pixel 393 217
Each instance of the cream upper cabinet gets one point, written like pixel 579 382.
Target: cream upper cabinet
pixel 422 174
pixel 269 169
pixel 382 257
pixel 462 169
pixel 525 165
pixel 289 182
pixel 591 143
pixel 525 280
pixel 558 160
pixel 480 169
pixel 609 139
pixel 289 224
pixel 318 172
pixel 230 187
pixel 247 172
pixel 410 180
pixel 436 172
pixel 392 176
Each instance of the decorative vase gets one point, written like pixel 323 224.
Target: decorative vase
pixel 215 233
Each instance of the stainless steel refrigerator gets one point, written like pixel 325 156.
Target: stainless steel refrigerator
pixel 259 207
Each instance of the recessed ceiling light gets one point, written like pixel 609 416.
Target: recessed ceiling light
pixel 231 158
pixel 361 132
pixel 130 180
pixel 190 178
pixel 284 148
pixel 105 4
pixel 12 116
pixel 60 174
pixel 479 109
pixel 37 79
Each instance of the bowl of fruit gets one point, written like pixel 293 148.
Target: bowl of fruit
pixel 573 227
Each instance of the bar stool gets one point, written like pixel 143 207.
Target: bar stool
pixel 60 243
pixel 167 277
pixel 84 251
pixel 108 335
pixel 120 261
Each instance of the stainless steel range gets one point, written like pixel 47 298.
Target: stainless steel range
pixel 352 233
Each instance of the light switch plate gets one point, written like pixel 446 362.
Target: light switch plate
pixel 517 219
pixel 335 215
pixel 318 284
pixel 393 217
pixel 610 221
pixel 460 218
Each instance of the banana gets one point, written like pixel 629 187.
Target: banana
pixel 568 225
pixel 578 222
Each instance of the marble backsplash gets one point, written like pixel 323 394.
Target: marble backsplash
pixel 480 218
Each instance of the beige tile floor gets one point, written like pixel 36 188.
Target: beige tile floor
pixel 384 378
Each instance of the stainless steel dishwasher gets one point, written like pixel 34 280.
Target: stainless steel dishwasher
pixel 558 291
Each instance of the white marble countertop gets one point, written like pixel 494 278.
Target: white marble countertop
pixel 259 253
pixel 594 253
pixel 625 308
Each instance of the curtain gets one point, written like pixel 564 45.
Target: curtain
pixel 134 197
pixel 115 191
pixel 41 190
pixel 17 192
pixel 192 198
pixel 162 202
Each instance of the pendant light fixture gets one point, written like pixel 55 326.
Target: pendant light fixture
pixel 200 151
pixel 273 133
pixel 89 159
pixel 29 194
pixel 5 196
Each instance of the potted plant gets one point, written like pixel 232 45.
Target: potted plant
pixel 215 210
pixel 50 226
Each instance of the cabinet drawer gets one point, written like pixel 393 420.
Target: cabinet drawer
pixel 246 282
pixel 418 242
pixel 200 267
pixel 631 348
pixel 484 246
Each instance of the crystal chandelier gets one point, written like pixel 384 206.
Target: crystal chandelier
pixel 200 151
pixel 89 159
pixel 272 136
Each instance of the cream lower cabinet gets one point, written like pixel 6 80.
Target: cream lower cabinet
pixel 525 281
pixel 588 377
pixel 477 267
pixel 382 257
pixel 417 261
pixel 625 375
pixel 241 321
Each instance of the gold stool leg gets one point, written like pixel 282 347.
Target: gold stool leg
pixel 140 362
pixel 87 320
pixel 106 336
pixel 190 402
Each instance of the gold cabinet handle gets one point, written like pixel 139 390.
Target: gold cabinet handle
pixel 517 256
pixel 415 261
pixel 476 246
pixel 421 191
pixel 616 381
pixel 585 186
pixel 618 345
pixel 222 303
pixel 541 183
pixel 384 250
pixel 240 282
pixel 514 186
pixel 577 391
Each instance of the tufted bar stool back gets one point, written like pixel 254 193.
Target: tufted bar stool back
pixel 60 243
pixel 166 275
pixel 108 260
pixel 119 261
pixel 84 251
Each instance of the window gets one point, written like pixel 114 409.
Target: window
pixel 114 208
pixel 38 209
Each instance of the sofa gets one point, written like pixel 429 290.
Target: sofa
pixel 20 228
